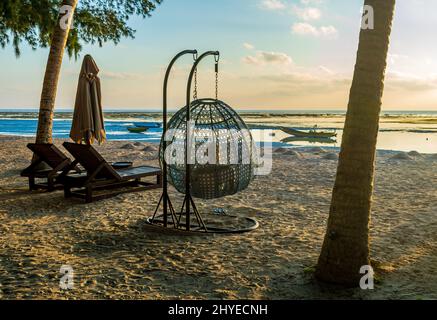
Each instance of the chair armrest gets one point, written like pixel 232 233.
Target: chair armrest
pixel 59 167
pixel 68 168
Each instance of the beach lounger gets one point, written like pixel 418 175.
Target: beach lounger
pixel 55 159
pixel 101 177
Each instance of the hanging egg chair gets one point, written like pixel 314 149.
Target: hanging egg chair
pixel 228 151
pixel 206 152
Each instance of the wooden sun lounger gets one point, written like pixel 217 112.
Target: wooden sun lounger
pixel 55 159
pixel 101 176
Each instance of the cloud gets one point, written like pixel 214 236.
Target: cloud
pixel 264 57
pixel 272 5
pixel 308 77
pixel 304 86
pixel 410 74
pixel 248 46
pixel 121 75
pixel 396 59
pixel 328 31
pixel 403 81
pixel 307 29
pixel 307 14
pixel 307 2
pixel 326 70
pixel 303 28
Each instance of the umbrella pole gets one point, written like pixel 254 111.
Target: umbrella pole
pixel 88 138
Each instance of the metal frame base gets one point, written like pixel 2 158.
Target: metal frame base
pixel 157 222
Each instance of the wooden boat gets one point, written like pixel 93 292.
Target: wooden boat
pixel 137 129
pixel 326 140
pixel 149 125
pixel 309 134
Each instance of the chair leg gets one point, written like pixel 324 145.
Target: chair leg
pixel 50 185
pixel 67 192
pixel 31 183
pixel 89 194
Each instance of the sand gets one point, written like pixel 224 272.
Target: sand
pixel 116 256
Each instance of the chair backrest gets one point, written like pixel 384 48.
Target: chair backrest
pixel 49 153
pixel 90 159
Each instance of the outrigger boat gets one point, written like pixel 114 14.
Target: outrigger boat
pixel 137 129
pixel 141 127
pixel 148 125
pixel 326 140
pixel 309 134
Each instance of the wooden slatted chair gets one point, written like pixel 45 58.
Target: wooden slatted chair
pixel 57 161
pixel 101 176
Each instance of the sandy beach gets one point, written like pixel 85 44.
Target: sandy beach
pixel 114 254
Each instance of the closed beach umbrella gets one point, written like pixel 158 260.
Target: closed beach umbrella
pixel 88 124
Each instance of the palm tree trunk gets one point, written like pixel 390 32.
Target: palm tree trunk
pixel 50 85
pixel 346 246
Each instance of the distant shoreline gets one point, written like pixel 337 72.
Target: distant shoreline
pixel 411 117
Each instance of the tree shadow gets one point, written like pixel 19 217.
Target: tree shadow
pixel 14 194
pixel 103 244
pixel 39 204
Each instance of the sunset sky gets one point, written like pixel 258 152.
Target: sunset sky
pixel 276 54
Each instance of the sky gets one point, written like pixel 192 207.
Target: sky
pixel 275 55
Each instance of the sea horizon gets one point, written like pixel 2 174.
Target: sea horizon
pixel 290 111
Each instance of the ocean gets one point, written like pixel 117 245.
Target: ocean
pixel 400 130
